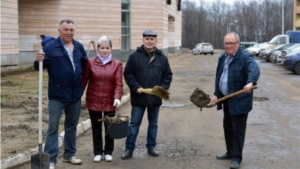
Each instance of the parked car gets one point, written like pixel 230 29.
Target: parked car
pixel 254 50
pixel 292 49
pixel 203 48
pixel 292 62
pixel 276 55
pixel 265 54
pixel 279 61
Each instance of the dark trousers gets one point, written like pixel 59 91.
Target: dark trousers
pixel 97 134
pixel 234 132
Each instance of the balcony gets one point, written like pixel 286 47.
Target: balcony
pixel 297 9
pixel 297 23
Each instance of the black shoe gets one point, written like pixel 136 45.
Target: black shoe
pixel 153 152
pixel 234 165
pixel 225 156
pixel 127 154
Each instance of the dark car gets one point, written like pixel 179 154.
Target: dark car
pixel 277 54
pixel 292 62
pixel 292 59
pixel 292 49
pixel 267 53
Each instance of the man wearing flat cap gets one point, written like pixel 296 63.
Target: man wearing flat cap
pixel 146 67
pixel 149 33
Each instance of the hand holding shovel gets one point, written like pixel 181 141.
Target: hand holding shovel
pixel 229 96
pixel 158 91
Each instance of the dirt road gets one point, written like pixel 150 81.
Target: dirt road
pixel 190 139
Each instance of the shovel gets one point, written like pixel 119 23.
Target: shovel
pixel 158 91
pixel 230 96
pixel 40 160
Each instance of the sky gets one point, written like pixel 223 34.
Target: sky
pixel 197 1
pixel 227 1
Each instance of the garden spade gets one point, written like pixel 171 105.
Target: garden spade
pixel 201 99
pixel 40 160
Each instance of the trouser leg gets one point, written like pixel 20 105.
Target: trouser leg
pixel 96 131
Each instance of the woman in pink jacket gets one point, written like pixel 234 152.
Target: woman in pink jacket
pixel 103 74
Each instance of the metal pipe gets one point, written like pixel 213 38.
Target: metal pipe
pixel 282 17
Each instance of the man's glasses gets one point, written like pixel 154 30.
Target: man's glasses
pixel 230 43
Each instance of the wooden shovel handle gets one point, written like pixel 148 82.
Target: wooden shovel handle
pixel 231 95
pixel 147 91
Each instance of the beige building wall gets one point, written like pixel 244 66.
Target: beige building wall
pixel 296 21
pixel 172 18
pixel 91 19
pixel 9 32
pixel 23 21
pixel 146 15
pixel 158 16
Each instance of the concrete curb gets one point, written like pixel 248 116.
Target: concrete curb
pixel 26 155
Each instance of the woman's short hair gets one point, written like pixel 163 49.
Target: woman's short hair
pixel 104 39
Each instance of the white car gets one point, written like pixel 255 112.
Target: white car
pixel 255 49
pixel 203 48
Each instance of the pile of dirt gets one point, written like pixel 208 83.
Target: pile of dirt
pixel 114 119
pixel 199 98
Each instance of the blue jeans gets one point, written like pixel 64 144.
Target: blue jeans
pixel 72 114
pixel 137 114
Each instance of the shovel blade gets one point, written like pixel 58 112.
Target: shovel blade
pixel 40 161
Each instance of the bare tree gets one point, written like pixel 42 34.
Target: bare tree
pixel 219 13
pixel 193 24
pixel 288 14
pixel 257 20
pixel 189 15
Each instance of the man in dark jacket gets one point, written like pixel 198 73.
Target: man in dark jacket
pixel 237 70
pixel 64 59
pixel 146 67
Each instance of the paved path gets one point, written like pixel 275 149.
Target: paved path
pixel 190 139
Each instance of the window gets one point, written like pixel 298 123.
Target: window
pixel 178 5
pixel 125 6
pixel 282 40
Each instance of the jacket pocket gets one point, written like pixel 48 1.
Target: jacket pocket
pixel 244 103
pixel 79 54
pixel 58 60
pixel 57 90
pixel 57 54
pixel 58 83
pixel 158 70
pixel 237 74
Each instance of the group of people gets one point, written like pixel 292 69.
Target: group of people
pixel 70 72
